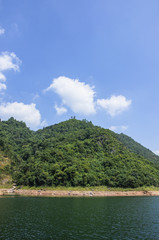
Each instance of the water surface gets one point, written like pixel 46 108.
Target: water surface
pixel 79 218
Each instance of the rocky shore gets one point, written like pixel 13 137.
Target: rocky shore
pixel 65 193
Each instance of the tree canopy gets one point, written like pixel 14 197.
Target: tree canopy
pixel 75 153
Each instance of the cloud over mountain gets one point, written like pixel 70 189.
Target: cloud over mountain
pixel 114 105
pixel 60 110
pixel 76 95
pixel 22 112
pixel 121 128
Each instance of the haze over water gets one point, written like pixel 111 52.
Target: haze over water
pixel 79 218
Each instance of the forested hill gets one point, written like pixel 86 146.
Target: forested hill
pixel 73 153
pixel 137 148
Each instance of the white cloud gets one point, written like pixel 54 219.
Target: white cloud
pixel 22 112
pixel 78 96
pixel 114 105
pixel 36 96
pixel 60 110
pixel 119 128
pixel 113 128
pixel 156 152
pixel 2 77
pixel 2 31
pixel 3 86
pixel 9 61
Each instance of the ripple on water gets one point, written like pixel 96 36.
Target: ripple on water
pixel 79 218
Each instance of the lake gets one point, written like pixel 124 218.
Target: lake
pixel 79 218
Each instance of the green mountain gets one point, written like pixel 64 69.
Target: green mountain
pixel 5 171
pixel 137 148
pixel 74 153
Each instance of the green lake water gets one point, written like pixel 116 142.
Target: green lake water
pixel 79 218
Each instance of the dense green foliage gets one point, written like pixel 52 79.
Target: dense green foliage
pixel 137 148
pixel 73 153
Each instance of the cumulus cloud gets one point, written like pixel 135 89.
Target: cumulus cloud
pixel 9 61
pixel 27 113
pixel 78 96
pixel 60 110
pixel 2 31
pixel 2 80
pixel 3 86
pixel 2 77
pixel 114 105
pixel 119 128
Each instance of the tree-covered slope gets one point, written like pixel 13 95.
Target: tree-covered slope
pixel 137 148
pixel 14 133
pixel 5 169
pixel 13 136
pixel 73 153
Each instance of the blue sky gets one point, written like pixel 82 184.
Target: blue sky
pixel 93 59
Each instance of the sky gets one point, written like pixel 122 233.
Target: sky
pixel 92 59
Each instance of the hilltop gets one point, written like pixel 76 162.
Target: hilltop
pixel 74 153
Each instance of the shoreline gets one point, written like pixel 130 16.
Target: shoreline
pixel 75 193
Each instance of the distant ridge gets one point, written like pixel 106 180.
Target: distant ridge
pixel 137 148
